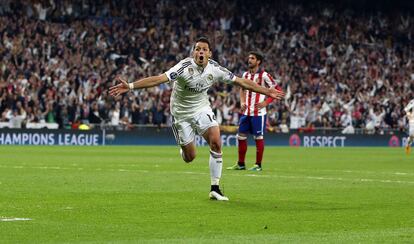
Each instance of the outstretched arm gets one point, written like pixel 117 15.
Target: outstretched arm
pixel 250 85
pixel 124 86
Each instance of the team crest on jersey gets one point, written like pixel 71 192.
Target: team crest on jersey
pixel 191 71
pixel 173 76
pixel 210 77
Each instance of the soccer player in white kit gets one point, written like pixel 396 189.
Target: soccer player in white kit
pixel 190 107
pixel 409 110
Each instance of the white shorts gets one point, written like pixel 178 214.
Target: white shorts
pixel 185 129
pixel 411 131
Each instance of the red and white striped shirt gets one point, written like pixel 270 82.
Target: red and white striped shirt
pixel 264 79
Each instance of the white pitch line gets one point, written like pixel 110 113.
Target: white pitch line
pixel 47 167
pixel 193 173
pixel 301 170
pixel 347 171
pixel 5 219
pixel 332 178
pixel 277 169
pixel 312 178
pixel 253 175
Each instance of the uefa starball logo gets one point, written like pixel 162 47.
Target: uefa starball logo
pixel 294 140
pixel 394 141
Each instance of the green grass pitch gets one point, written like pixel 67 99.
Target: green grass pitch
pixel 149 195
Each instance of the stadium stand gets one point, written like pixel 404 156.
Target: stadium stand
pixel 342 68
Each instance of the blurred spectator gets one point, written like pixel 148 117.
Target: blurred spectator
pixel 341 67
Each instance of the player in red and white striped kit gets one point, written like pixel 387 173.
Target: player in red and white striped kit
pixel 253 105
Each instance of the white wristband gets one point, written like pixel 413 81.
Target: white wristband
pixel 131 86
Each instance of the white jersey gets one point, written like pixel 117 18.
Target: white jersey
pixel 262 78
pixel 190 85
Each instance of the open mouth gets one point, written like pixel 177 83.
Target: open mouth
pixel 201 58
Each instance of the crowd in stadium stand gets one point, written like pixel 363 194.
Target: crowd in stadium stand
pixel 341 68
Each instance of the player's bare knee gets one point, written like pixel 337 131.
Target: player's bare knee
pixel 188 160
pixel 215 146
pixel 189 157
pixel 258 137
pixel 241 137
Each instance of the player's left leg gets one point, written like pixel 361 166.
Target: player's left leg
pixel 212 136
pixel 206 125
pixel 259 127
pixel 259 153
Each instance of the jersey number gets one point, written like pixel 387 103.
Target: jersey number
pixel 211 118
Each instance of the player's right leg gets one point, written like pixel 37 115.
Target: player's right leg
pixel 244 129
pixel 188 152
pixel 184 135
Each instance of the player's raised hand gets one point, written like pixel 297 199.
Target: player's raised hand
pixel 276 94
pixel 119 88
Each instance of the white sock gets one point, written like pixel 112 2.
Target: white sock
pixel 216 166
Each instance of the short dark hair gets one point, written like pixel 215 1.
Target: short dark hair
pixel 205 40
pixel 259 55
